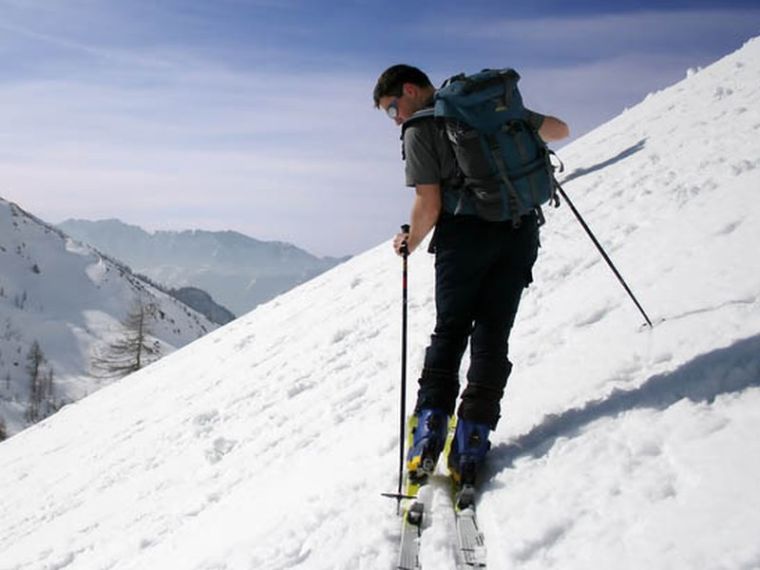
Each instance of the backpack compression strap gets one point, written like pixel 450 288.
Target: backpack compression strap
pixel 515 204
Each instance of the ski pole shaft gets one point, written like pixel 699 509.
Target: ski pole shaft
pixel 604 254
pixel 402 420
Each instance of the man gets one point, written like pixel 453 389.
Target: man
pixel 481 269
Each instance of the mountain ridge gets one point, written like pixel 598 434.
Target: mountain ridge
pixel 239 271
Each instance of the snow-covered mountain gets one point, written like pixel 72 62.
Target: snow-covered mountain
pixel 71 301
pixel 238 271
pixel 266 444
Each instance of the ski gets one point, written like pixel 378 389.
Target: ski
pixel 412 514
pixel 411 531
pixel 412 517
pixel 469 542
pixel 471 545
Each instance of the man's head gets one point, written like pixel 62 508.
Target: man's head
pixel 401 91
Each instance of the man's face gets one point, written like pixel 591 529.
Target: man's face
pixel 402 107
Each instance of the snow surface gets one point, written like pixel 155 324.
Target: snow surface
pixel 266 444
pixel 71 300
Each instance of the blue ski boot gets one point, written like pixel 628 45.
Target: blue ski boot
pixel 468 450
pixel 428 439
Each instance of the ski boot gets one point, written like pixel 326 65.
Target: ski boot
pixel 428 439
pixel 468 450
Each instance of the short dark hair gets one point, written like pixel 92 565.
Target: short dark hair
pixel 391 82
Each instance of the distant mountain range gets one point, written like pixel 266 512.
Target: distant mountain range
pixel 238 271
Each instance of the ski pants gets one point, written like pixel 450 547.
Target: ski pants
pixel 481 269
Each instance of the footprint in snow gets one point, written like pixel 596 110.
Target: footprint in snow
pixel 729 228
pixel 204 423
pixel 219 449
pixel 592 318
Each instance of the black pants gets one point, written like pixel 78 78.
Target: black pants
pixel 481 269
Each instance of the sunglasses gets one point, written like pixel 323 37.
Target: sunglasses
pixel 392 109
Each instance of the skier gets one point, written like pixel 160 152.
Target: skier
pixel 481 268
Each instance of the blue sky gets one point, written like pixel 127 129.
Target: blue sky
pixel 256 115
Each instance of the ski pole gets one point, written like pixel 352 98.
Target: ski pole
pixel 404 303
pixel 604 254
pixel 402 415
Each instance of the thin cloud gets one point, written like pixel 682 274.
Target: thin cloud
pixel 266 149
pixel 113 56
pixel 606 35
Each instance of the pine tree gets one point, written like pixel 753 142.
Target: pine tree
pixel 134 349
pixel 3 429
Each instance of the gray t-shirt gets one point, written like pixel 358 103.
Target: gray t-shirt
pixel 429 156
pixel 430 160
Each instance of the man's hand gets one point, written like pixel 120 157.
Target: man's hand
pixel 400 241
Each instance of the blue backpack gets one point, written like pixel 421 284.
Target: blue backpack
pixel 505 165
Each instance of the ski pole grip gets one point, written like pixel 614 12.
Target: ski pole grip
pixel 404 247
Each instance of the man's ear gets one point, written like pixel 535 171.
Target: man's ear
pixel 409 89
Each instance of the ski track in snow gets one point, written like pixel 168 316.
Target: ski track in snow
pixel 266 444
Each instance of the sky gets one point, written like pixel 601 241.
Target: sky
pixel 257 115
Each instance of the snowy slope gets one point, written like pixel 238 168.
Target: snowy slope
pixel 266 444
pixel 71 300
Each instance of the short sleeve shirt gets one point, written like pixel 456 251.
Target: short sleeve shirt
pixel 430 160
pixel 429 156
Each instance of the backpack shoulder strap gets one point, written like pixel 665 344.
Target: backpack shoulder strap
pixel 426 113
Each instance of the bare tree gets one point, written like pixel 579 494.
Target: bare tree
pixel 40 403
pixel 134 349
pixel 19 301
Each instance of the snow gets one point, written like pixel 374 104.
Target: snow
pixel 266 444
pixel 70 299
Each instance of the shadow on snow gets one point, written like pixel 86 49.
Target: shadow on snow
pixel 630 151
pixel 701 380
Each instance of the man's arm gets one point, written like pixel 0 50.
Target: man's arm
pixel 553 129
pixel 425 212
